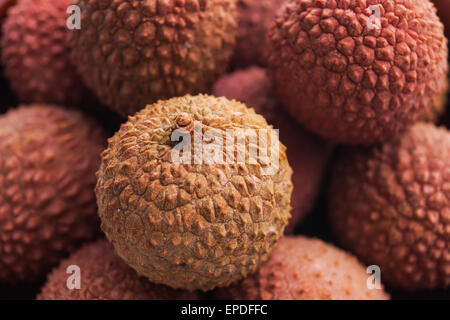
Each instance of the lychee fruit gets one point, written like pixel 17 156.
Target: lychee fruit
pixel 103 276
pixel 307 154
pixel 352 77
pixel 132 52
pixel 48 161
pixel 301 268
pixel 198 213
pixel 36 54
pixel 390 205
pixel 255 18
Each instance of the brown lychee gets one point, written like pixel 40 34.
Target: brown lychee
pixel 301 268
pixel 103 276
pixel 208 218
pixel 390 205
pixel 49 156
pixel 131 53
pixel 351 77
pixel 307 154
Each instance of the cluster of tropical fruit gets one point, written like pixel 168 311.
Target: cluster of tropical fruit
pixel 93 204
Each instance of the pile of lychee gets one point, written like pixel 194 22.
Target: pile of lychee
pixel 121 175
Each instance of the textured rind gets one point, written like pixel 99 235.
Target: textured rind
pixel 255 19
pixel 104 276
pixel 188 226
pixel 301 268
pixel 354 84
pixel 307 154
pixel 132 53
pixel 49 156
pixel 443 9
pixel 36 54
pixel 390 205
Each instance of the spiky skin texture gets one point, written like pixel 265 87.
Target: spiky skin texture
pixel 190 226
pixel 36 54
pixel 353 84
pixel 105 276
pixel 132 53
pixel 390 205
pixel 307 153
pixel 301 268
pixel 48 161
pixel 443 9
pixel 255 19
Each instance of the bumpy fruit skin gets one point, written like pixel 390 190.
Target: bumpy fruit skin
pixel 104 276
pixel 255 19
pixel 301 268
pixel 390 205
pixel 307 154
pixel 132 53
pixel 190 226
pixel 49 156
pixel 352 83
pixel 36 54
pixel 443 9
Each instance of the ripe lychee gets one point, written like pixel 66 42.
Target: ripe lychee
pixel 49 156
pixel 104 276
pixel 301 268
pixel 390 205
pixel 351 77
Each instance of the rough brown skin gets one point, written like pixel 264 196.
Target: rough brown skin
pixel 135 52
pixel 36 54
pixel 104 276
pixel 307 153
pixel 390 205
pixel 190 226
pixel 443 9
pixel 49 156
pixel 350 84
pixel 255 18
pixel 301 268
